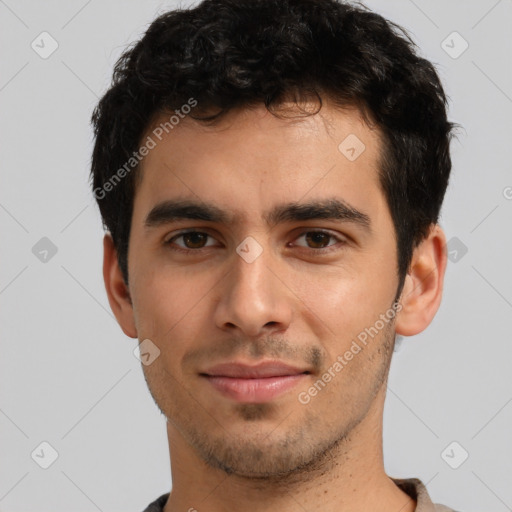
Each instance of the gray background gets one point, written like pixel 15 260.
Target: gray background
pixel 68 375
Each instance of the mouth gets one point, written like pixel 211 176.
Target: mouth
pixel 254 384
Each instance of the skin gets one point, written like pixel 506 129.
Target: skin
pixel 292 303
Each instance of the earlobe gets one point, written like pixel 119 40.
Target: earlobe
pixel 423 287
pixel 117 291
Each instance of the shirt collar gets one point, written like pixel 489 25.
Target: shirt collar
pixel 417 491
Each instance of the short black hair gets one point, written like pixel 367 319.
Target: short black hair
pixel 227 54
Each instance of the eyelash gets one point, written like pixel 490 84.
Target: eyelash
pixel 323 250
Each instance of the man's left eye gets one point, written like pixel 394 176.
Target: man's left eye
pixel 318 239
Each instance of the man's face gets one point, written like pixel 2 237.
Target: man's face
pixel 262 306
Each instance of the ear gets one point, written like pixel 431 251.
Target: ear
pixel 117 291
pixel 423 287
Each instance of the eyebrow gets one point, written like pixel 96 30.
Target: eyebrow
pixel 326 209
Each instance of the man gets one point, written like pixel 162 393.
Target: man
pixel 270 173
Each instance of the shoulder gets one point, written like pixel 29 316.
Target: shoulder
pixel 416 489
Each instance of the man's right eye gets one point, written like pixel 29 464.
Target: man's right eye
pixel 193 241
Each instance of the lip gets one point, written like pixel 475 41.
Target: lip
pixel 254 383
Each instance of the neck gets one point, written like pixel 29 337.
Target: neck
pixel 350 476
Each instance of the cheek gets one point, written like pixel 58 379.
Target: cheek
pixel 347 300
pixel 169 307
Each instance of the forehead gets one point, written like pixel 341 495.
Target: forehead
pixel 252 160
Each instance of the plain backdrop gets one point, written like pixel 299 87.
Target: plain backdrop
pixel 68 375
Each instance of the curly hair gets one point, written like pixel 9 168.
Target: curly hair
pixel 236 53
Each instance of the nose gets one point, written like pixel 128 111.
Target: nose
pixel 253 298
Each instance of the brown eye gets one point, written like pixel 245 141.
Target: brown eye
pixel 191 240
pixel 318 240
pixel 194 240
